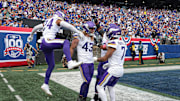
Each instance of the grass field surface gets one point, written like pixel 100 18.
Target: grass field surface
pixel 23 84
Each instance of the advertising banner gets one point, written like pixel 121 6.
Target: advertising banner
pixel 12 44
pixel 148 47
pixel 13 41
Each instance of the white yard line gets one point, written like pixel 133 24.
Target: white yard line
pixel 11 88
pixel 18 98
pixel 73 81
pixel 150 69
pixel 5 80
pixel 1 74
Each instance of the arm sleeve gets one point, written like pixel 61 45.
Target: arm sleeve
pixel 40 26
pixel 70 27
pixel 112 44
pixel 75 36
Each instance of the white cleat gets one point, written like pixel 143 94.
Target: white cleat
pixel 72 64
pixel 45 88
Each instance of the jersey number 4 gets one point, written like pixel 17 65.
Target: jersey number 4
pixel 49 23
pixel 85 46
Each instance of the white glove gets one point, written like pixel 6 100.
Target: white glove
pixel 30 38
pixel 95 59
pixel 106 65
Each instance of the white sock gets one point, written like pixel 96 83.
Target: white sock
pixel 101 93
pixel 111 92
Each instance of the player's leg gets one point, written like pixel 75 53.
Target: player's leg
pixel 101 84
pixel 65 44
pixel 86 71
pixel 109 80
pixel 100 72
pixel 50 61
pixel 111 93
pixel 110 86
pixel 96 98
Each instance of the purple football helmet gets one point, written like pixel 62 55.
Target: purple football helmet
pixel 112 31
pixel 89 25
pixel 59 14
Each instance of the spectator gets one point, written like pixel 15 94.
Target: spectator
pixel 140 48
pixel 29 52
pixel 161 57
pixel 15 24
pixel 155 23
pixel 156 48
pixel 132 49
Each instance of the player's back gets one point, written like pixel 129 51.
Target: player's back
pixel 50 28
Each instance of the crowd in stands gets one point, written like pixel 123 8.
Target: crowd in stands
pixel 134 22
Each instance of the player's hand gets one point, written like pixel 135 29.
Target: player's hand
pixel 95 59
pixel 30 38
pixel 99 45
pixel 106 65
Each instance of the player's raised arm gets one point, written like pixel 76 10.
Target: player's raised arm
pixel 66 25
pixel 30 37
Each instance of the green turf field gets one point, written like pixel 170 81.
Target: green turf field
pixel 26 82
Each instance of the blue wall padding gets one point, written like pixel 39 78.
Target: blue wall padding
pixel 171 51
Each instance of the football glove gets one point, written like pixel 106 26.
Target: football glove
pixel 95 59
pixel 30 38
pixel 106 65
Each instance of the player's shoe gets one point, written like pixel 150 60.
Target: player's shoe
pixel 80 98
pixel 45 88
pixel 72 64
pixel 96 98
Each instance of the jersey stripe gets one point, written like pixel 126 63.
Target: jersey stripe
pixel 104 79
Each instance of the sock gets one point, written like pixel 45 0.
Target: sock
pixel 111 93
pixel 101 93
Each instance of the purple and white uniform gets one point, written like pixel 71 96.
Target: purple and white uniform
pixel 49 43
pixel 116 61
pixel 103 52
pixel 85 54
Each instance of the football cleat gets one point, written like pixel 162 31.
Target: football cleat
pixel 73 64
pixel 45 88
pixel 96 98
pixel 80 98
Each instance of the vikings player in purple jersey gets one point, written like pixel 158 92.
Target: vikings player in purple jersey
pixel 115 56
pixel 49 42
pixel 85 54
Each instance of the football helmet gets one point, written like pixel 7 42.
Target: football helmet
pixel 112 31
pixel 59 15
pixel 89 27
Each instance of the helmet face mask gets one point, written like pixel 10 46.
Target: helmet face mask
pixel 89 28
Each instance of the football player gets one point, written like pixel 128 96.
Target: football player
pixel 115 56
pixel 100 69
pixel 49 42
pixel 85 54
